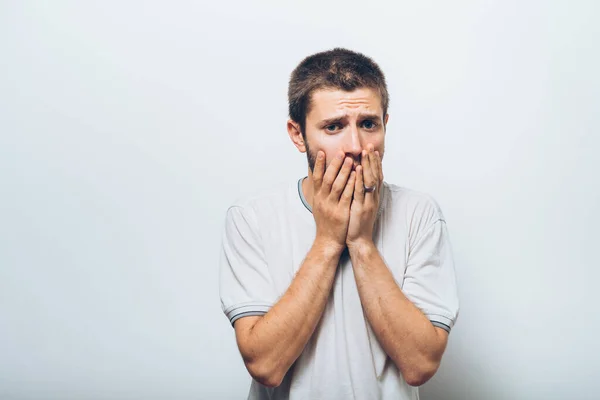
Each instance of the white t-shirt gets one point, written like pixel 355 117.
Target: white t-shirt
pixel 265 241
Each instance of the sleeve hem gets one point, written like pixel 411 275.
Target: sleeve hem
pixel 441 321
pixel 246 309
pixel 246 314
pixel 440 325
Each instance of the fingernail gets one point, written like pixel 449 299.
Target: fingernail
pixel 320 155
pixel 340 156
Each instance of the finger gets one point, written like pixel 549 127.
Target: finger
pixel 373 163
pixel 346 198
pixel 340 181
pixel 374 166
pixel 319 170
pixel 332 171
pixel 375 172
pixel 379 166
pixel 368 178
pixel 359 188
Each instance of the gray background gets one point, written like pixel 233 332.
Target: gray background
pixel 127 128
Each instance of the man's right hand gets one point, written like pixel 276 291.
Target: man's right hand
pixel 332 196
pixel 270 344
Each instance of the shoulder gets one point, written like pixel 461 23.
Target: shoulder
pixel 261 202
pixel 417 211
pixel 416 205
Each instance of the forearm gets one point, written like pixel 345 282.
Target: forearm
pixel 405 333
pixel 278 338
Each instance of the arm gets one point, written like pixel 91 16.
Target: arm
pixel 414 344
pixel 405 333
pixel 271 343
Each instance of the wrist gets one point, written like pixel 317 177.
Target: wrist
pixel 329 247
pixel 361 246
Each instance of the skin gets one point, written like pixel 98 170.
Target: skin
pixel 345 134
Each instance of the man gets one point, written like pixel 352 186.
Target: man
pixel 339 285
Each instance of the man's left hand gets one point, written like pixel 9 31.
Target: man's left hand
pixel 363 211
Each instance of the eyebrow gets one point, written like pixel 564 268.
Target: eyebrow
pixel 333 120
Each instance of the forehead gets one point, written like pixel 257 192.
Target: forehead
pixel 328 102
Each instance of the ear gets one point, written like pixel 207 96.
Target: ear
pixel 385 120
pixel 293 129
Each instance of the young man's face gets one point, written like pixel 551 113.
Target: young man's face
pixel 346 121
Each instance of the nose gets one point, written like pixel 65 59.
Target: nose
pixel 353 146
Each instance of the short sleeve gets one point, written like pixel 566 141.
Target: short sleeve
pixel 245 284
pixel 430 280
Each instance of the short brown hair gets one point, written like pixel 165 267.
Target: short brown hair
pixel 333 69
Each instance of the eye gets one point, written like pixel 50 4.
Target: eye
pixel 369 124
pixel 332 127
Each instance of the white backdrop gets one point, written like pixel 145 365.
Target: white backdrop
pixel 128 127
